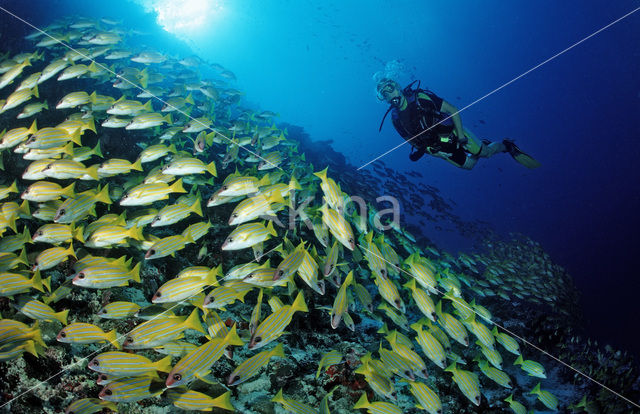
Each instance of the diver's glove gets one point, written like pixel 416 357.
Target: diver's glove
pixel 416 155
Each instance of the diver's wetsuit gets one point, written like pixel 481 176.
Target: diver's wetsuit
pixel 423 111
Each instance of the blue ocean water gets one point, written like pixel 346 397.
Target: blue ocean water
pixel 579 114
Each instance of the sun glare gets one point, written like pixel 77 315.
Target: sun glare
pixel 184 16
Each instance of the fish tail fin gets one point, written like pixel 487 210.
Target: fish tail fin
pixel 137 165
pixel 452 368
pixel 23 210
pixel 26 236
pixel 232 337
pixel 93 172
pixel 299 304
pixel 37 334
pixel 163 365
pixel 22 258
pixel 211 168
pixel 147 106
pixel 77 233
pixel 47 283
pixel 362 402
pixel 211 277
pixel 33 128
pixel 224 401
pixel 193 322
pixel 62 316
pixel 536 389
pixel 75 137
pixel 411 284
pixel 168 118
pixel 278 351
pixel 70 251
pixel 35 91
pixel 172 148
pixel 69 190
pixel 135 273
pixel 30 347
pixel 270 229
pixel 91 125
pixel 112 337
pixel 349 279
pixel 177 187
pixel 13 188
pixel 279 398
pixel 67 149
pixel 103 195
pixel 322 175
pixel 189 99
pixel 265 180
pixel 97 151
pixel 136 233
pixel 197 207
pixel 518 360
pixel 36 281
pixel 294 184
pixel 144 78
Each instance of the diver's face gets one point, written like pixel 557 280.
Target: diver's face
pixel 392 95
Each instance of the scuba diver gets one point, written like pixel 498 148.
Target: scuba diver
pixel 432 126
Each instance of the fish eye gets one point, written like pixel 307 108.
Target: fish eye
pixel 63 335
pixel 351 240
pixel 81 275
pixel 280 272
pixel 108 392
pixel 177 377
pixel 257 339
pixel 152 252
pixel 234 215
pixel 397 302
pixel 62 212
pixel 129 340
pixel 224 187
pixel 39 233
pixel 96 362
pixel 407 373
pixel 158 294
pixel 103 377
pixel 229 239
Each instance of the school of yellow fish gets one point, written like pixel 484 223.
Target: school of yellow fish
pixel 72 207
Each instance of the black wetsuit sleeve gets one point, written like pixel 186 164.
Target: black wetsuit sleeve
pixel 432 97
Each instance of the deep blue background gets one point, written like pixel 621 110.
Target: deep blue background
pixel 579 114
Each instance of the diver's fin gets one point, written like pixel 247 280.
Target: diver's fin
pixel 520 156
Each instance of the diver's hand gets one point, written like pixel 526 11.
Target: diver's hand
pixel 416 155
